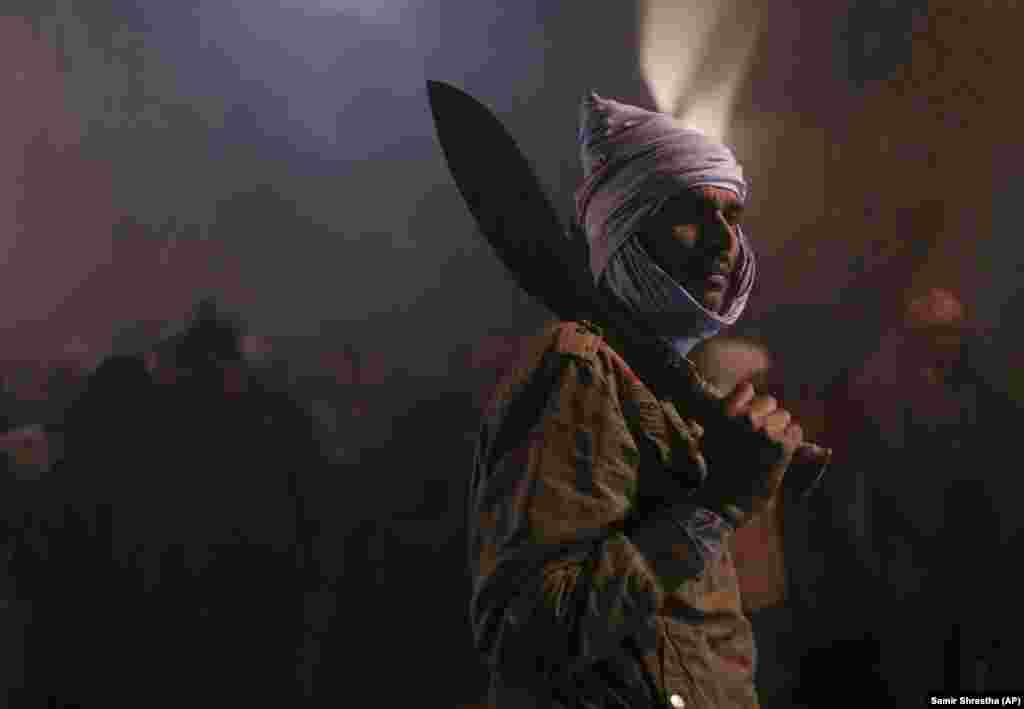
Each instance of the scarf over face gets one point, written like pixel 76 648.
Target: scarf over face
pixel 635 161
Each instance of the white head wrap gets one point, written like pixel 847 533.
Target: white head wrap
pixel 635 161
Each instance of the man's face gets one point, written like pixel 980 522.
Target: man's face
pixel 695 240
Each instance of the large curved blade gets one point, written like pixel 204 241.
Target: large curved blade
pixel 518 221
pixel 509 204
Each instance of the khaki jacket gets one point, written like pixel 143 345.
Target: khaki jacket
pixel 596 584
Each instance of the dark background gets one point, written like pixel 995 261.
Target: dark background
pixel 279 157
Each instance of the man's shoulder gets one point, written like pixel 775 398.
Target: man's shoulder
pixel 586 343
pixel 551 346
pixel 580 338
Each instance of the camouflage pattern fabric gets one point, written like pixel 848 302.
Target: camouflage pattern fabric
pixel 596 583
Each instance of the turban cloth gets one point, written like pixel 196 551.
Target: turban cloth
pixel 635 161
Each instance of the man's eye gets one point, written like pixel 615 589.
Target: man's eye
pixel 683 213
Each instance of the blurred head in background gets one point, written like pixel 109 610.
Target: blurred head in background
pixel 936 329
pixel 25 452
pixel 209 351
pixel 729 361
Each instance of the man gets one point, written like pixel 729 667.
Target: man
pixel 929 461
pixel 599 515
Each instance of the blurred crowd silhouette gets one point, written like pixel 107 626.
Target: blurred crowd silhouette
pixel 198 511
pixel 196 523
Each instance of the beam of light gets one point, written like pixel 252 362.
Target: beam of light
pixel 695 55
pixel 673 39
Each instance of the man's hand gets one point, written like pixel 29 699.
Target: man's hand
pixel 747 455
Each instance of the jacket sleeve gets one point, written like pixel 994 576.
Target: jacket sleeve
pixel 563 574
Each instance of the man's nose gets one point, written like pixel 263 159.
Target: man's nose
pixel 723 237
